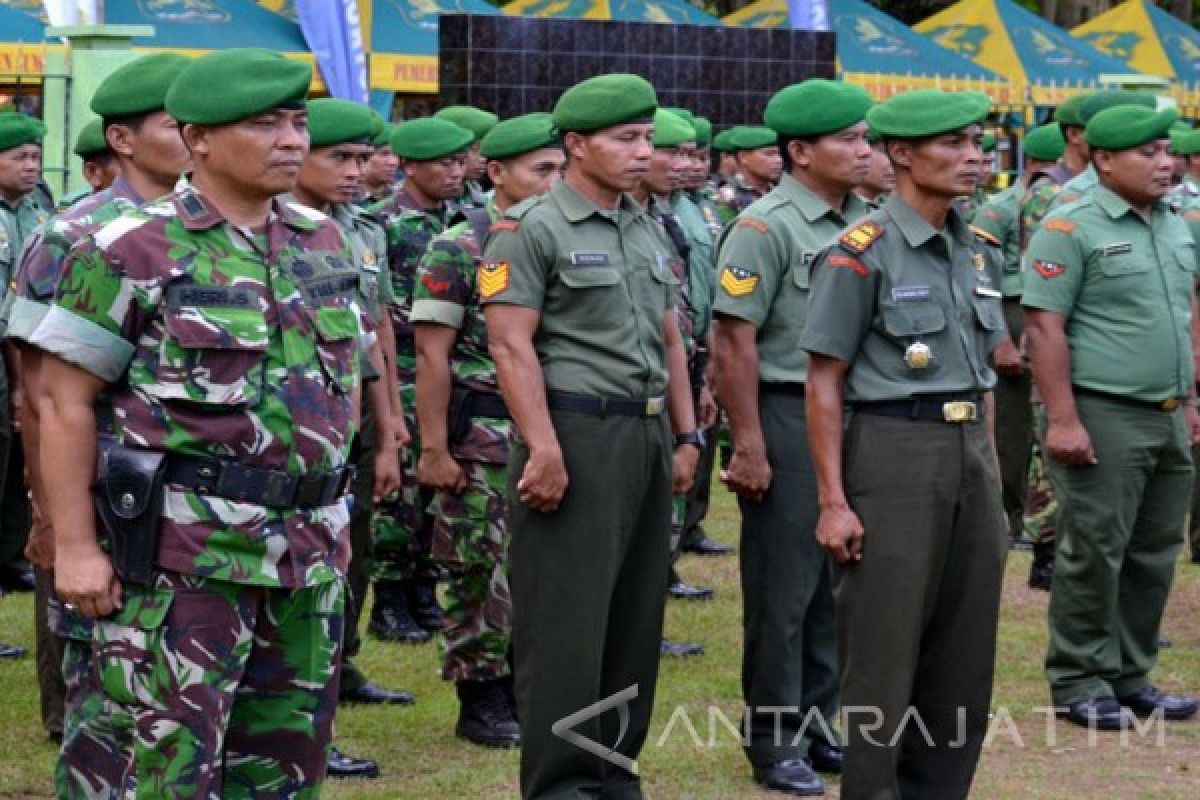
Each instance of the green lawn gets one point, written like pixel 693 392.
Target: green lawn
pixel 421 758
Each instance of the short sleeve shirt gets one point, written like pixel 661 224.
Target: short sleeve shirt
pixel 1125 285
pixel 999 219
pixel 894 281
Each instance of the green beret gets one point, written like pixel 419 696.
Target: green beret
pixel 427 138
pixel 720 142
pixel 91 141
pixel 230 85
pixel 518 136
pixel 815 107
pixel 17 129
pixel 988 143
pixel 928 112
pixel 378 123
pixel 1185 143
pixel 139 87
pixel 384 137
pixel 332 121
pixel 476 120
pixel 671 130
pixel 604 101
pixel 687 116
pixel 749 137
pixel 1124 127
pixel 1098 101
pixel 703 131
pixel 873 136
pixel 1067 112
pixel 1045 143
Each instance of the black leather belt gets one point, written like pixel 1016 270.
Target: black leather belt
pixel 264 487
pixel 488 404
pixel 955 408
pixel 793 389
pixel 607 406
pixel 1170 404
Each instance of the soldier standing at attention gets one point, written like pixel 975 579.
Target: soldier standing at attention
pixel 1187 144
pixel 379 175
pixel 434 155
pixel 881 178
pixel 224 325
pixel 339 134
pixel 100 167
pixel 790 652
pixel 756 151
pixel 580 304
pixel 987 170
pixel 1110 304
pixel 904 312
pixel 465 434
pixel 726 163
pixel 478 122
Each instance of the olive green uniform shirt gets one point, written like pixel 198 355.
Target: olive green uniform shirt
pixel 16 224
pixel 602 281
pixel 700 276
pixel 1075 188
pixel 893 281
pixel 1125 286
pixel 1000 218
pixel 764 266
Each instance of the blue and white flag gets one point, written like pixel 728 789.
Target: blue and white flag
pixel 334 35
pixel 809 15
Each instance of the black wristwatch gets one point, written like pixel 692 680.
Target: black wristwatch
pixel 694 438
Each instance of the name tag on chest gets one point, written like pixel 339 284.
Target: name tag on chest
pixel 589 258
pixel 909 294
pixel 1116 249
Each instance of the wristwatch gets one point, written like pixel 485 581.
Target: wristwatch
pixel 694 438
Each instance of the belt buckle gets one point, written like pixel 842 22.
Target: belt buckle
pixel 655 406
pixel 959 411
pixel 1170 404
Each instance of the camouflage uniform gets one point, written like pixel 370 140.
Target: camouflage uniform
pixel 733 197
pixel 401 526
pixel 470 533
pixel 230 346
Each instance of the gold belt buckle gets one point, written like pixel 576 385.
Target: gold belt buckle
pixel 655 406
pixel 1170 404
pixel 959 411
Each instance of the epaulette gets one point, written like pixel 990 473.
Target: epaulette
pixel 858 238
pixel 308 212
pixel 524 207
pixel 987 237
pixel 756 225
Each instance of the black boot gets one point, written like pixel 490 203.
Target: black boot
pixel 1041 571
pixel 423 604
pixel 485 715
pixel 340 765
pixel 510 691
pixel 390 619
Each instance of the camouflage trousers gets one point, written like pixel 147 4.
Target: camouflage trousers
pixel 470 539
pixel 401 527
pixel 229 691
pixel 1041 507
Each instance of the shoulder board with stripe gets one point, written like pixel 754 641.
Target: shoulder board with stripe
pixel 986 236
pixel 751 223
pixel 861 236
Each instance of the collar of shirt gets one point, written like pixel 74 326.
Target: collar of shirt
pixel 576 207
pixel 813 207
pixel 1117 206
pixel 917 230
pixel 197 213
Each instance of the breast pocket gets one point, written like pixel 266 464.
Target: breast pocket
pixel 906 321
pixel 988 313
pixel 337 345
pixel 211 357
pixel 592 296
pixel 1123 265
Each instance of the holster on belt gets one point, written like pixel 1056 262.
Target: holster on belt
pixel 128 496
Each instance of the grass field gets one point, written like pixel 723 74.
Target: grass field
pixel 421 758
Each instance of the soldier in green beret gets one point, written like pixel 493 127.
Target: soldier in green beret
pixel 433 154
pixel 465 429
pixel 726 162
pixel 379 176
pixel 100 167
pixel 580 300
pixel 881 178
pixel 1110 304
pixel 971 204
pixel 1185 144
pixel 224 325
pixel 763 266
pixel 756 152
pixel 903 315
pixel 478 122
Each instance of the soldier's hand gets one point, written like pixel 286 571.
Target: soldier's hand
pixel 438 470
pixel 683 468
pixel 400 434
pixel 387 473
pixel 86 582
pixel 706 409
pixel 1193 419
pixel 840 532
pixel 1007 359
pixel 544 480
pixel 1068 443
pixel 748 474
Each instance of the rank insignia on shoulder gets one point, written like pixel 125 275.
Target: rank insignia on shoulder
pixel 1048 269
pixel 504 225
pixel 859 268
pixel 493 278
pixel 986 236
pixel 861 236
pixel 1059 224
pixel 752 224
pixel 737 281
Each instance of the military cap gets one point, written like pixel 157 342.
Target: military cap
pixel 427 138
pixel 815 107
pixel 687 116
pixel 17 129
pixel 518 136
pixel 720 142
pixel 1067 112
pixel 332 121
pixel 1096 102
pixel 139 87
pixel 384 137
pixel 604 101
pixel 230 85
pixel 988 143
pixel 1186 143
pixel 1045 143
pixel 703 131
pixel 1123 127
pixel 873 136
pixel 671 130
pixel 378 123
pixel 750 137
pixel 476 120
pixel 927 112
pixel 91 141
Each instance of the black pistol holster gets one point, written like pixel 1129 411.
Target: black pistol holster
pixel 128 495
